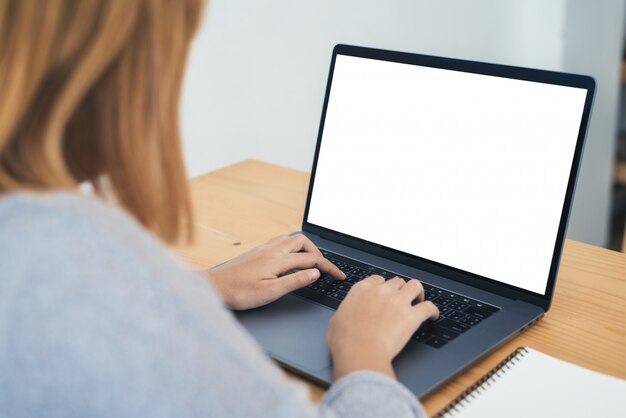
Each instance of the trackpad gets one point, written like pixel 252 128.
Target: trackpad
pixel 292 330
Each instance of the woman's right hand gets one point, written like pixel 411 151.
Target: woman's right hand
pixel 374 322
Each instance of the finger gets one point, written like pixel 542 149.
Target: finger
pixel 374 279
pixel 395 283
pixel 294 281
pixel 308 260
pixel 300 243
pixel 424 311
pixel 413 290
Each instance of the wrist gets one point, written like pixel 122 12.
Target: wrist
pixel 213 278
pixel 349 360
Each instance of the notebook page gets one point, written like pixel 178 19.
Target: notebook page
pixel 538 385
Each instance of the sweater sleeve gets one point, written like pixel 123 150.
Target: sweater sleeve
pixel 370 394
pixel 108 323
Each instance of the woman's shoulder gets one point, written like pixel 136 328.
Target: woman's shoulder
pixel 38 216
pixel 67 240
pixel 62 225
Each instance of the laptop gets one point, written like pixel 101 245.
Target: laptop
pixel 458 173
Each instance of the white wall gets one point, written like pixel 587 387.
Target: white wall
pixel 256 79
pixel 593 45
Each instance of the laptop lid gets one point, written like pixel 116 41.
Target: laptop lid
pixel 460 168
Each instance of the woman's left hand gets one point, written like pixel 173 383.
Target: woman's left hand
pixel 255 277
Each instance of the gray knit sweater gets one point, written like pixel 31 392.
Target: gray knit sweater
pixel 99 319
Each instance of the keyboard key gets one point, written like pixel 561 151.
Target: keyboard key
pixel 351 278
pixel 455 315
pixel 444 333
pixel 325 279
pixel 348 269
pixel 470 320
pixel 361 273
pixel 436 342
pixel 344 286
pixel 339 294
pixel 442 301
pixel 430 296
pixel 458 306
pixel 479 313
pixel 444 310
pixel 421 335
pixel 320 287
pixel 489 308
pixel 314 286
pixel 452 325
pixel 328 285
pixel 327 291
pixel 484 306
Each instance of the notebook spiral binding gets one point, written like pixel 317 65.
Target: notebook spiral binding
pixel 476 388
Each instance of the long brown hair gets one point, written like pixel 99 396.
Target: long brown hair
pixel 89 90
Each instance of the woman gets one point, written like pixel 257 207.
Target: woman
pixel 98 318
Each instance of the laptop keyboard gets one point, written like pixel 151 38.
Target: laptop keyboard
pixel 457 313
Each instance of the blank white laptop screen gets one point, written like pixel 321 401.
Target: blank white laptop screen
pixel 464 169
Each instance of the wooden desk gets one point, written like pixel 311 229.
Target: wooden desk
pixel 243 205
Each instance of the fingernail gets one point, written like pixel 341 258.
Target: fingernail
pixel 313 274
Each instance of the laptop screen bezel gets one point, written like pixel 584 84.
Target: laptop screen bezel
pixel 519 73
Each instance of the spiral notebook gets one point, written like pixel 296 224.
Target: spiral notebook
pixel 529 383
